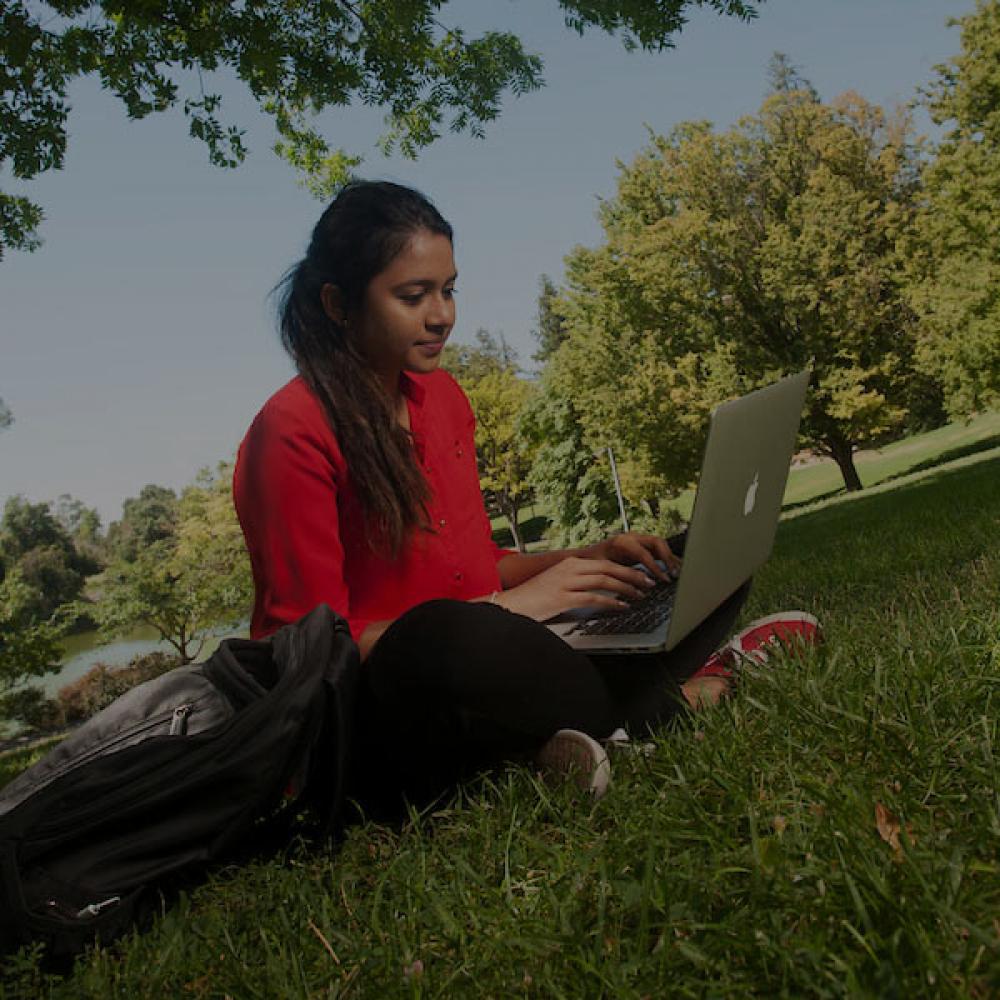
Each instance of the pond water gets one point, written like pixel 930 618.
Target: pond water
pixel 85 650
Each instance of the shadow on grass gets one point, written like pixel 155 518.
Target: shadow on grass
pixel 532 530
pixel 809 501
pixel 972 448
pixel 943 458
pixel 912 497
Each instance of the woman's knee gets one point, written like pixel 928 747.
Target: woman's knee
pixel 486 659
pixel 438 642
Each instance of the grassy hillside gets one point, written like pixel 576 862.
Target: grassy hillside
pixel 821 480
pixel 832 830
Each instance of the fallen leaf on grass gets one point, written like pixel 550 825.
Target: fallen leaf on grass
pixel 887 824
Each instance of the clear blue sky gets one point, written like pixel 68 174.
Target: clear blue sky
pixel 139 342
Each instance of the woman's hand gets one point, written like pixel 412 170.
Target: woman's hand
pixel 577 581
pixel 630 548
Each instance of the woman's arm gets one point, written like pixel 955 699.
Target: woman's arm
pixel 601 576
pixel 627 548
pixel 518 567
pixel 285 487
pixel 372 633
pixel 544 584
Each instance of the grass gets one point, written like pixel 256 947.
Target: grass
pixel 822 480
pixel 743 858
pixel 906 457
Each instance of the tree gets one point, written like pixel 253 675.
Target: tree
pixel 53 576
pixel 83 525
pixel 732 258
pixel 504 456
pixel 786 78
pixel 955 258
pixel 489 374
pixel 295 59
pixel 470 362
pixel 186 584
pixel 50 566
pixel 567 480
pixel 27 526
pixel 29 647
pixel 41 576
pixel 550 329
pixel 150 517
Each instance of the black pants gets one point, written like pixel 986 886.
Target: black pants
pixel 452 688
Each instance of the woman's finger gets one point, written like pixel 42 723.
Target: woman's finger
pixel 649 551
pixel 588 586
pixel 607 567
pixel 602 601
pixel 664 552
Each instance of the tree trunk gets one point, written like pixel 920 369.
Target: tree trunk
pixel 842 452
pixel 510 511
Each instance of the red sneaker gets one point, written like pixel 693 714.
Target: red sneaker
pixel 785 630
pixel 719 664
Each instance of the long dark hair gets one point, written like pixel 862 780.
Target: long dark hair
pixel 365 227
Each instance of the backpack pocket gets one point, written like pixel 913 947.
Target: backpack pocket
pixel 181 703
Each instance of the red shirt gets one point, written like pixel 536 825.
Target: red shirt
pixel 303 524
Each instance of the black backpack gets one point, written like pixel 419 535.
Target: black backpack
pixel 173 776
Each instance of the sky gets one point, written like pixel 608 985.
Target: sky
pixel 138 343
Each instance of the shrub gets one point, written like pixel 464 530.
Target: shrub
pixel 13 762
pixel 102 684
pixel 30 707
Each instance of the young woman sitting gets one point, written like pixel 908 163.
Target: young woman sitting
pixel 356 485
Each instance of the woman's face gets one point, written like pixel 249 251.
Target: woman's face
pixel 409 308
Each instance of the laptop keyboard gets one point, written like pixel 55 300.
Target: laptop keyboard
pixel 642 616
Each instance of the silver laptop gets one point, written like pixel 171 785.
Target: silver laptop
pixel 743 475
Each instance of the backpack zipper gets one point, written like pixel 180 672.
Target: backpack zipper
pixel 178 727
pixel 66 911
pixel 94 909
pixel 179 720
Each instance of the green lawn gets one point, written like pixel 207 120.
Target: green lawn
pixel 743 858
pixel 822 479
pixel 904 457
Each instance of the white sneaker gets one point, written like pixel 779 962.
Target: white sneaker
pixel 620 742
pixel 575 755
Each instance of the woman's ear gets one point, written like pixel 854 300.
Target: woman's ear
pixel 333 303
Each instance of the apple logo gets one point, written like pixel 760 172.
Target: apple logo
pixel 751 497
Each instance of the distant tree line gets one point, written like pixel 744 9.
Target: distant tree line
pixel 176 564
